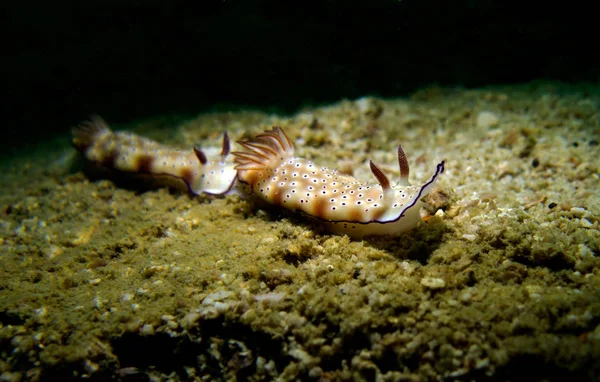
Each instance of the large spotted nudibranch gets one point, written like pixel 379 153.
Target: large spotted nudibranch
pixel 343 203
pixel 125 152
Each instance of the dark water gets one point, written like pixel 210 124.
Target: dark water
pixel 129 60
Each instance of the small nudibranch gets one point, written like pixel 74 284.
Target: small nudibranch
pixel 343 203
pixel 130 153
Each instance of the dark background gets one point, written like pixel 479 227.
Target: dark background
pixel 134 59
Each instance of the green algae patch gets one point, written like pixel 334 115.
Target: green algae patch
pixel 104 279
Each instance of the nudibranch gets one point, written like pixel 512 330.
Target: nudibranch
pixel 126 152
pixel 343 203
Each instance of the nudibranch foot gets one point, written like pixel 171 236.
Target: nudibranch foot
pixel 125 152
pixel 341 202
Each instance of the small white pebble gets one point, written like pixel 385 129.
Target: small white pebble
pixel 487 119
pixel 209 312
pixel 302 289
pixel 220 295
pixel 584 250
pixel 272 297
pixel 147 330
pixel 315 372
pixel 190 319
pixel 221 307
pixel 466 296
pixel 300 355
pixel 127 297
pixel 578 211
pixel 482 363
pixel 433 283
pixel 172 325
pixel 469 237
pixel 269 240
pixel 407 267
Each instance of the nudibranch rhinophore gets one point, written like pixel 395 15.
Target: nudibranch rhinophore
pixel 343 203
pixel 199 172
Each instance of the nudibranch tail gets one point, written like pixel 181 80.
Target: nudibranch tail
pixel 130 153
pixel 341 202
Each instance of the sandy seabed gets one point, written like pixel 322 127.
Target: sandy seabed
pixel 102 279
